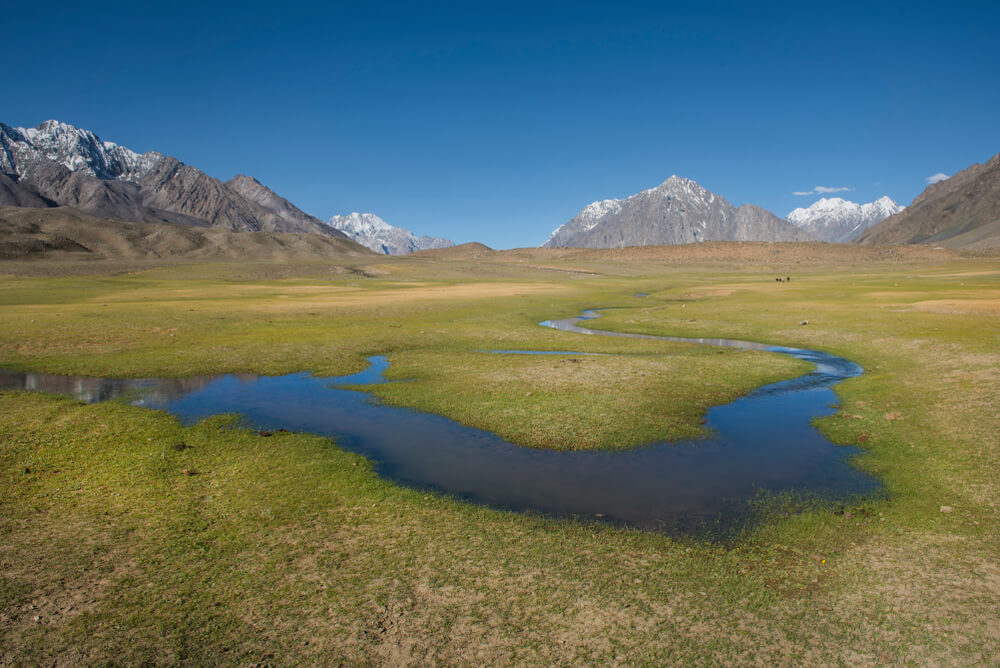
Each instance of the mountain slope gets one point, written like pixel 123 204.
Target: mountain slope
pixel 678 211
pixel 14 193
pixel 58 164
pixel 67 233
pixel 962 211
pixel 371 231
pixel 838 220
pixel 294 218
pixel 253 190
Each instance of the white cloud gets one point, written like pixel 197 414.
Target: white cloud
pixel 940 176
pixel 822 190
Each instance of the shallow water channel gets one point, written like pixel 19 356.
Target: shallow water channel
pixel 761 444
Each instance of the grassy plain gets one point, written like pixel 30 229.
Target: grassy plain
pixel 117 547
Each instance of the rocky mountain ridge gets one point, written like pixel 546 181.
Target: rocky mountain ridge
pixel 56 164
pixel 678 211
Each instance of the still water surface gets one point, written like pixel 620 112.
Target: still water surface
pixel 761 443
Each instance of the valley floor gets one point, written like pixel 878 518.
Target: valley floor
pixel 126 537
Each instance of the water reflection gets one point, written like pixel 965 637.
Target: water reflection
pixel 91 390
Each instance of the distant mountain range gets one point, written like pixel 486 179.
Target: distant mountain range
pixel 56 164
pixel 372 232
pixel 960 212
pixel 838 220
pixel 678 211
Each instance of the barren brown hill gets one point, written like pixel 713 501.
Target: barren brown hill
pixel 960 212
pixel 67 233
pixel 470 251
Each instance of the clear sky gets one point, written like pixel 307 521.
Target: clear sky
pixel 498 121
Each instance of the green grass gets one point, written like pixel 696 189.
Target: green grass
pixel 242 549
pixel 582 402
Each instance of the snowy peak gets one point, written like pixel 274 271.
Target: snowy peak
pixel 883 205
pixel 77 150
pixel 361 223
pixel 678 185
pixel 593 212
pixel 839 220
pixel 372 232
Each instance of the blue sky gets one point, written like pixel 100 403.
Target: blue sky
pixel 497 122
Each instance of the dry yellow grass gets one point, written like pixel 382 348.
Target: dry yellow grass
pixel 988 307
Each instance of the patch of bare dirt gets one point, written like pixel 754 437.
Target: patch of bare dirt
pixel 709 292
pixel 921 584
pixel 986 307
pixel 42 593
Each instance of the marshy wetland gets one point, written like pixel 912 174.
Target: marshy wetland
pixel 758 446
pixel 147 535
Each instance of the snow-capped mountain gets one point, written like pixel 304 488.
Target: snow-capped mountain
pixel 56 164
pixel 75 149
pixel 371 231
pixel 678 211
pixel 839 220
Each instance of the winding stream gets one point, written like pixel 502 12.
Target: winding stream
pixel 762 443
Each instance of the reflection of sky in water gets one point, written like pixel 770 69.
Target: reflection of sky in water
pixel 764 441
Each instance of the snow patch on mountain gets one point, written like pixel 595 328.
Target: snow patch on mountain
pixel 372 232
pixel 839 220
